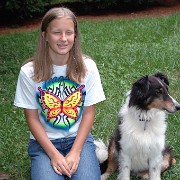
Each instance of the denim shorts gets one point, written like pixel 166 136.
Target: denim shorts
pixel 41 168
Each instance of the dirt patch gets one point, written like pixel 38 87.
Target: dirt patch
pixel 153 11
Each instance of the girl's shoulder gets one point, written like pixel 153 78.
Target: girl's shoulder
pixel 27 68
pixel 89 62
pixel 27 64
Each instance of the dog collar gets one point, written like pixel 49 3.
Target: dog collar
pixel 141 119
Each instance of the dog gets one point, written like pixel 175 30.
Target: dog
pixel 138 144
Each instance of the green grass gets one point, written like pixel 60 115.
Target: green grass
pixel 124 50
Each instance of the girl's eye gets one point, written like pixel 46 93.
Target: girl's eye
pixel 69 32
pixel 56 32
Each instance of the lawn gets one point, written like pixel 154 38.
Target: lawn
pixel 124 50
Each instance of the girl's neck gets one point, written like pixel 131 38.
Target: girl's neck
pixel 59 60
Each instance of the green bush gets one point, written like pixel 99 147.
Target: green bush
pixel 101 4
pixel 21 9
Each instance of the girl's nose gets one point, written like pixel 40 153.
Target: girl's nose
pixel 63 37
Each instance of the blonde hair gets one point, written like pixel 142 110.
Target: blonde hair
pixel 43 68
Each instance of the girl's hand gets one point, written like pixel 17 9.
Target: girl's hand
pixel 72 159
pixel 60 165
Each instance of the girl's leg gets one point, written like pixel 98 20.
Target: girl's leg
pixel 88 168
pixel 41 168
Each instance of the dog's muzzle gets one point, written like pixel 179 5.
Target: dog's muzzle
pixel 177 107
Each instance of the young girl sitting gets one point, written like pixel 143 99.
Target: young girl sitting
pixel 58 89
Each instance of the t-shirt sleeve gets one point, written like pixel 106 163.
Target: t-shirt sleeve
pixel 25 96
pixel 94 89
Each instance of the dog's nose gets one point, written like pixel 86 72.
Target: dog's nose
pixel 178 107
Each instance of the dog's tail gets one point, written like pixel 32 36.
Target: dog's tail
pixel 102 154
pixel 101 151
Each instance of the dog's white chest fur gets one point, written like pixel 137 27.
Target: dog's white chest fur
pixel 142 135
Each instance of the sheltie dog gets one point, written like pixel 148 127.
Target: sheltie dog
pixel 138 144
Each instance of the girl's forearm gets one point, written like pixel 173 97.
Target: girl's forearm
pixel 84 128
pixel 38 132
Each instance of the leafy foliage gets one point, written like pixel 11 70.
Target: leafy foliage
pixel 24 8
pixel 102 4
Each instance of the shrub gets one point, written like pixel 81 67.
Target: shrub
pixel 101 4
pixel 21 9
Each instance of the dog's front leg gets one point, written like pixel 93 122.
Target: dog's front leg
pixel 155 168
pixel 124 167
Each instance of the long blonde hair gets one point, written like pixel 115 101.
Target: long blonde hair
pixel 43 68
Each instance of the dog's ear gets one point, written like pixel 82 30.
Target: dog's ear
pixel 142 86
pixel 139 91
pixel 162 77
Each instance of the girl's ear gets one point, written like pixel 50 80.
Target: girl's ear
pixel 43 34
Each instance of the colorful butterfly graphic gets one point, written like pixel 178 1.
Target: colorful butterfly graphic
pixel 55 106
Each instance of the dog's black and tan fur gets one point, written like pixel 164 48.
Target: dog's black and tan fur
pixel 138 144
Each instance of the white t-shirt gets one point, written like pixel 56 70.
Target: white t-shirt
pixel 59 101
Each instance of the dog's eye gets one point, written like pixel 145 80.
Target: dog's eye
pixel 159 91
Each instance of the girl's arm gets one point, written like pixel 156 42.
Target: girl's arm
pixel 87 121
pixel 57 160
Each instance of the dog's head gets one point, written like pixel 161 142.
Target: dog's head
pixel 152 92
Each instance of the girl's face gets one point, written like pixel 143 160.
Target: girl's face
pixel 60 35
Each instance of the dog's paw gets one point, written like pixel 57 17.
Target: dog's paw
pixel 143 175
pixel 104 176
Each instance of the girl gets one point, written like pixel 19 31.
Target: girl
pixel 58 89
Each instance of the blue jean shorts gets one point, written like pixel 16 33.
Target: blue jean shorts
pixel 41 168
